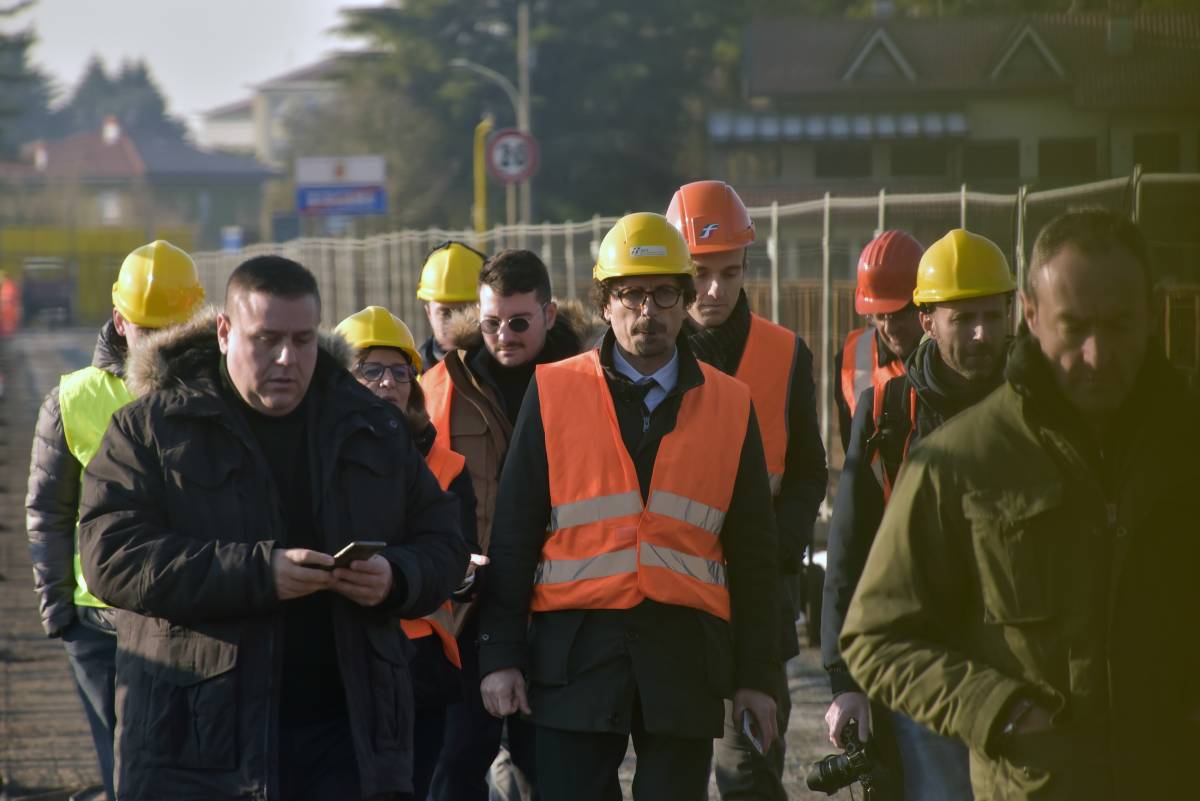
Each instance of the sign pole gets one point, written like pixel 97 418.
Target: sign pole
pixel 480 211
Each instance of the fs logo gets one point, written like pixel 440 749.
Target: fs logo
pixel 707 230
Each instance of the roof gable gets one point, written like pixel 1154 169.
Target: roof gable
pixel 879 59
pixel 1027 57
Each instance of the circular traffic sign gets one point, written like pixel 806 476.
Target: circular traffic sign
pixel 512 156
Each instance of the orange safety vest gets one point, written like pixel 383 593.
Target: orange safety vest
pixel 861 368
pixel 768 348
pixel 886 477
pixel 606 548
pixel 438 389
pixel 446 465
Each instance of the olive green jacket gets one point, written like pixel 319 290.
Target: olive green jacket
pixel 1017 560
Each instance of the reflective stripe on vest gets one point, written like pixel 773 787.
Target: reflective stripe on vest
pixel 438 389
pixel 877 465
pixel 861 368
pixel 446 465
pixel 87 399
pixel 768 348
pixel 605 549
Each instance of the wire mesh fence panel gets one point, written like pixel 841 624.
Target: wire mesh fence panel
pixel 802 264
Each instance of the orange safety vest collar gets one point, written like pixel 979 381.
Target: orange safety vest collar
pixel 606 548
pixel 768 348
pixel 861 368
pixel 882 475
pixel 446 465
pixel 439 391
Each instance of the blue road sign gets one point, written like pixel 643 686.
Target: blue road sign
pixel 336 199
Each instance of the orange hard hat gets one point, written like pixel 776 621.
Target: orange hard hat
pixel 711 217
pixel 887 273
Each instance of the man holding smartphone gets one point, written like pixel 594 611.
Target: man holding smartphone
pixel 210 512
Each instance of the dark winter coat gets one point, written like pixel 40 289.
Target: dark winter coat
pixel 858 507
pixel 179 518
pixel 52 503
pixel 585 665
pixel 1020 556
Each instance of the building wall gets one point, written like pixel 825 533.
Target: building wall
pixel 235 133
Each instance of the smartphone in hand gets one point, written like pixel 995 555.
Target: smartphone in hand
pixel 357 551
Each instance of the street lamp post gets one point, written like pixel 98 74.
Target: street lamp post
pixel 519 98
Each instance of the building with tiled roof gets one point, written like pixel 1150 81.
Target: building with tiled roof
pixel 908 104
pixel 111 177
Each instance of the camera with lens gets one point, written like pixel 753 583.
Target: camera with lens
pixel 858 763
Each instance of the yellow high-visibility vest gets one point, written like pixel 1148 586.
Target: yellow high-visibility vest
pixel 87 399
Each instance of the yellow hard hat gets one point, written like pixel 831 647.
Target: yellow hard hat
pixel 451 274
pixel 962 265
pixel 376 327
pixel 643 243
pixel 157 286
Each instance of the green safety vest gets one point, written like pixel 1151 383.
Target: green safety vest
pixel 87 399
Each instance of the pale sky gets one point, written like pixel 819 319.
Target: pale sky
pixel 203 53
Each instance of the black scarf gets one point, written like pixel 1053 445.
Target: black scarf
pixel 722 346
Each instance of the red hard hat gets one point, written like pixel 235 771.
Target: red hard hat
pixel 887 273
pixel 711 217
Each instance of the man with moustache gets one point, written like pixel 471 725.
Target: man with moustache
pixel 777 367
pixel 1026 587
pixel 473 396
pixel 875 354
pixel 248 665
pixel 635 522
pixel 964 290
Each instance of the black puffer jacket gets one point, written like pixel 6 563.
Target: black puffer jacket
pixel 52 503
pixel 178 521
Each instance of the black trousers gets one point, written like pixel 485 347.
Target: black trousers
pixel 472 736
pixel 582 766
pixel 317 763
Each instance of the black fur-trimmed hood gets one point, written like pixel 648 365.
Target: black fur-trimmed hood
pixel 188 352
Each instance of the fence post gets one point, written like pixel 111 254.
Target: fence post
pixel 826 313
pixel 880 225
pixel 569 257
pixel 962 207
pixel 1137 193
pixel 1022 192
pixel 595 246
pixel 547 249
pixel 773 256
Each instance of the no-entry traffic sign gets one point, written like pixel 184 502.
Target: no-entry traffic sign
pixel 512 156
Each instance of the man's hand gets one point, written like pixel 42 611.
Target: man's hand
pixel 367 582
pixel 844 707
pixel 762 710
pixel 298 573
pixel 504 693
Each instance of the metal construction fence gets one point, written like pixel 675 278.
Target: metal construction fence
pixel 802 264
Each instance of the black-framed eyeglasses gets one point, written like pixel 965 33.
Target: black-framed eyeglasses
pixel 518 325
pixel 373 371
pixel 665 296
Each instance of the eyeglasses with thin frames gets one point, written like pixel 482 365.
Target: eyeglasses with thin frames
pixel 518 325
pixel 374 372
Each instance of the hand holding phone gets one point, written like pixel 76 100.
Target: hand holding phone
pixel 359 550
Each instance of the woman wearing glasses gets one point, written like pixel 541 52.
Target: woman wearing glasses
pixel 386 362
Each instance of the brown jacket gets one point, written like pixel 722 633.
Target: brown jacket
pixel 480 424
